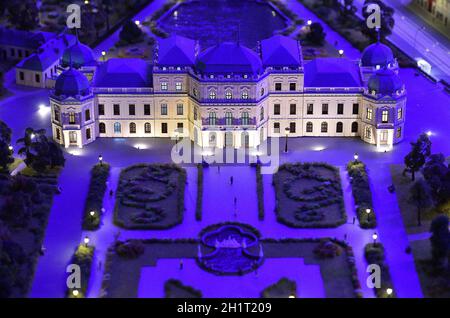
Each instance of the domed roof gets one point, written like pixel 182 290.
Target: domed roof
pixel 227 58
pixel 377 54
pixel 385 82
pixel 78 55
pixel 72 83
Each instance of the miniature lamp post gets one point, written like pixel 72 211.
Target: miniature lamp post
pixel 92 214
pixel 75 292
pixel 429 133
pixel 355 156
pixel 309 22
pixel 341 53
pixel 100 160
pixel 86 241
pixel 103 55
pixel 368 211
pixel 375 237
pixel 176 140
pixel 137 22
pixel 389 292
pixel 292 296
pixel 286 132
pixel 10 148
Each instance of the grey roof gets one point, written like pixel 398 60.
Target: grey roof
pixel 123 72
pixel 71 83
pixel 377 54
pixel 78 55
pixel 176 51
pixel 332 72
pixel 48 53
pixel 281 51
pixel 385 82
pixel 229 58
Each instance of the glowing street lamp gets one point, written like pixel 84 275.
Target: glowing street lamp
pixel 86 241
pixel 137 22
pixel 286 132
pixel 389 292
pixel 10 148
pixel 100 160
pixel 375 237
pixel 32 136
pixel 86 2
pixel 429 133
pixel 356 156
pixel 75 292
pixel 341 53
pixel 291 296
pixel 309 22
pixel 103 55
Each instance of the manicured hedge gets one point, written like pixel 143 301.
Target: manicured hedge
pixel 359 180
pixel 172 284
pixel 199 202
pixel 94 200
pixel 260 192
pixel 83 257
pixel 374 254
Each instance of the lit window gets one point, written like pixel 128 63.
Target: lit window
pixel 399 113
pixel 178 86
pixel 369 114
pixel 228 95
pixel 71 118
pixel 245 94
pixel 368 133
pixel 212 118
pixel 164 86
pixel 384 116
pixel 212 94
pixel 117 128
pixel 244 118
pixel 228 118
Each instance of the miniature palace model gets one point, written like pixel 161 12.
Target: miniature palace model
pixel 228 95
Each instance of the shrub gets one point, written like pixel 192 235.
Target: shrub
pixel 94 200
pixel 172 285
pixel 284 288
pixel 260 192
pixel 327 249
pixel 83 257
pixel 362 194
pixel 129 249
pixel 374 254
pixel 199 202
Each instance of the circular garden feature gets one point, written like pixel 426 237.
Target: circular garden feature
pixel 230 249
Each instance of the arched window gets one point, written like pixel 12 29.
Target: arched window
pixel 117 128
pixel 212 94
pixel 228 94
pixel 244 118
pixel 354 127
pixel 147 128
pixel 228 118
pixel 368 133
pixel 324 127
pixel 261 115
pixel 244 94
pixel 309 127
pixel 132 128
pixel 102 128
pixel 212 118
pixel 339 127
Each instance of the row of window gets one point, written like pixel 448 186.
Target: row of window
pixel 310 127
pixel 132 128
pixel 229 119
pixel 20 53
pixel 310 109
pixel 132 109
pixel 384 114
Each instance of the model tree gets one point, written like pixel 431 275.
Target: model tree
pixel 23 14
pixel 416 158
pixel 439 239
pixel 39 152
pixel 130 33
pixel 316 35
pixel 421 197
pixel 387 19
pixel 6 153
pixel 437 174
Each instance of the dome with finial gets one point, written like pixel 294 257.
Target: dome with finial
pixel 385 82
pixel 72 83
pixel 78 55
pixel 377 54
